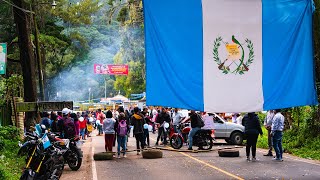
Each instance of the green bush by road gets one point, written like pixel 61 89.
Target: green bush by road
pixel 298 142
pixel 10 164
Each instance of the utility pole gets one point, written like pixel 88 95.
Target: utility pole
pixel 105 88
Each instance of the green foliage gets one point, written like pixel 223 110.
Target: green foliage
pixel 76 13
pixel 302 140
pixel 10 165
pixel 10 87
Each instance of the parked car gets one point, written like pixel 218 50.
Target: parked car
pixel 231 132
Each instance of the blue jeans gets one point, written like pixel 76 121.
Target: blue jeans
pixel 176 130
pixel 82 132
pixel 191 134
pixel 277 143
pixel 122 141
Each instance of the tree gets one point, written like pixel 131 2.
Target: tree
pixel 21 19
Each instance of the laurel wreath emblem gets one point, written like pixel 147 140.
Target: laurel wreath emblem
pixel 226 69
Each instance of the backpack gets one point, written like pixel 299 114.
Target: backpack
pixel 200 121
pixel 122 128
pixel 69 128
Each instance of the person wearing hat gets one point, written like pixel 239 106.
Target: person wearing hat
pixel 67 124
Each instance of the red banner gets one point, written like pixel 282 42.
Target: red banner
pixel 111 69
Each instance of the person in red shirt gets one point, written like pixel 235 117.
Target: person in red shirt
pixel 100 117
pixel 83 126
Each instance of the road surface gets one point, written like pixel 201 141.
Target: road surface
pixel 176 165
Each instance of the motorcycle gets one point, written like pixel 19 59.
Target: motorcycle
pixel 203 138
pixel 73 154
pixel 43 160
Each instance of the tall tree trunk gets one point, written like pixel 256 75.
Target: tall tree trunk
pixel 26 56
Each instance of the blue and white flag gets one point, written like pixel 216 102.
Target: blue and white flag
pixel 229 55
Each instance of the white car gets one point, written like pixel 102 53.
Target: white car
pixel 231 132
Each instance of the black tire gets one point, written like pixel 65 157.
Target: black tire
pixel 209 142
pixel 26 176
pixel 152 154
pixel 176 142
pixel 103 156
pixel 237 138
pixel 229 153
pixel 76 161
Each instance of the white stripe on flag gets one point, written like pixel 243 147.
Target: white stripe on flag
pixel 232 83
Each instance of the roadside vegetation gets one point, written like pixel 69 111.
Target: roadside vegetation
pixel 302 136
pixel 10 164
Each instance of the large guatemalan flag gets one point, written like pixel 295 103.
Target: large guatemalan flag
pixel 229 55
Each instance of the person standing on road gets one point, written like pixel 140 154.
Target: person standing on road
pixel 100 118
pixel 108 129
pixel 252 131
pixel 122 127
pixel 76 123
pixel 137 121
pixel 196 125
pixel 83 126
pixel 162 118
pixel 177 118
pixel 277 133
pixel 267 124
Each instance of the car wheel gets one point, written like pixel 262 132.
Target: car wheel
pixel 237 138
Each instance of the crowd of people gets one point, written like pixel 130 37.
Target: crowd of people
pixel 116 125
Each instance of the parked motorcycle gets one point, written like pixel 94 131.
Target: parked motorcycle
pixel 73 154
pixel 203 138
pixel 43 160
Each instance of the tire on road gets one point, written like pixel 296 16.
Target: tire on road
pixel 103 156
pixel 229 153
pixel 152 154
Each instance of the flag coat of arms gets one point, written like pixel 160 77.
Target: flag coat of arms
pixel 229 55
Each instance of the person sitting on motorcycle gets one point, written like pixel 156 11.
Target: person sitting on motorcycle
pixel 161 119
pixel 194 118
pixel 177 118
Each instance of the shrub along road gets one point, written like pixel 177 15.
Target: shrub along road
pixel 192 166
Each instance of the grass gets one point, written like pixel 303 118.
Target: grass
pixel 10 164
pixel 297 143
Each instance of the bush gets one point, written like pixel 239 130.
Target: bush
pixel 300 142
pixel 10 165
pixel 10 132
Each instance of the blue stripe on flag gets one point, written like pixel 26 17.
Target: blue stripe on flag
pixel 288 78
pixel 174 53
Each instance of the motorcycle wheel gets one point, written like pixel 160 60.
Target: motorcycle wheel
pixel 208 143
pixel 75 162
pixel 26 175
pixel 176 142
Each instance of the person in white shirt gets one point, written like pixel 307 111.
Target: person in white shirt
pixel 267 124
pixel 177 118
pixel 239 119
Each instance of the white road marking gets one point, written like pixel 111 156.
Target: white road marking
pixel 94 170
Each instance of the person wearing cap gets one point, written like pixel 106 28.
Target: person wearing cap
pixel 137 121
pixel 67 126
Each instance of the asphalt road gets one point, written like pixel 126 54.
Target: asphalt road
pixel 176 165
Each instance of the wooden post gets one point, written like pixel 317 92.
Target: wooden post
pixel 18 116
